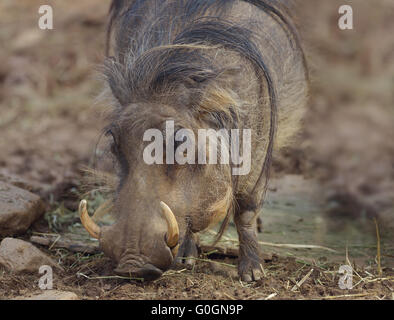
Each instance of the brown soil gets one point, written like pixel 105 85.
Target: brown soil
pixel 92 278
pixel 49 127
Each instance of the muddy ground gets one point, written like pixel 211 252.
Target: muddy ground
pixel 50 126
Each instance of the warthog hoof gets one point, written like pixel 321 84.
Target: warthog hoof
pixel 249 269
pixel 187 251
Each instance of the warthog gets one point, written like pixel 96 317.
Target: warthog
pixel 202 64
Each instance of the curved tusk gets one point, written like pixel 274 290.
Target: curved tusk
pixel 86 220
pixel 175 250
pixel 172 225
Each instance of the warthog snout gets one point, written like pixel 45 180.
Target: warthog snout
pixel 147 272
pixel 137 258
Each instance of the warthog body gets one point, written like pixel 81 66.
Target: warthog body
pixel 202 64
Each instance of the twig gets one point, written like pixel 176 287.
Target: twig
pixel 211 252
pixel 380 279
pixel 347 256
pixel 296 246
pixel 230 252
pixel 54 242
pixel 46 234
pixel 284 245
pixel 349 295
pixel 173 272
pixel 299 284
pixel 108 277
pixel 263 270
pixel 272 295
pixel 207 260
pixel 378 247
pixel 72 246
pixel 228 296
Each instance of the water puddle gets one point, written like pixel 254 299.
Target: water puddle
pixel 296 223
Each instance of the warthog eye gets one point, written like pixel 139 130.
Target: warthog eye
pixel 114 147
pixel 116 150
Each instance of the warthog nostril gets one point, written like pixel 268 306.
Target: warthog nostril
pixel 148 272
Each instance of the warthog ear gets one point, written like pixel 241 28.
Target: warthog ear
pixel 115 73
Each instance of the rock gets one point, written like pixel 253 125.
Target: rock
pixel 18 209
pixel 52 295
pixel 21 256
pixel 23 183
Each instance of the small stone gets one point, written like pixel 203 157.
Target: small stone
pixel 20 256
pixel 18 209
pixel 52 295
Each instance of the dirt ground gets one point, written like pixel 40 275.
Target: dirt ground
pixel 50 126
pixel 90 277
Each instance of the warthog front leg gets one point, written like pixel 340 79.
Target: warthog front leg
pixel 188 250
pixel 249 260
pixel 259 225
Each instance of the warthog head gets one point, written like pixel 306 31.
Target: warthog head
pixel 156 204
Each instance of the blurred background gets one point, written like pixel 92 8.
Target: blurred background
pixel 343 159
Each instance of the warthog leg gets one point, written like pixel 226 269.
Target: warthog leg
pixel 249 260
pixel 188 250
pixel 259 225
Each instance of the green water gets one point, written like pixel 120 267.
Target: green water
pixel 294 213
